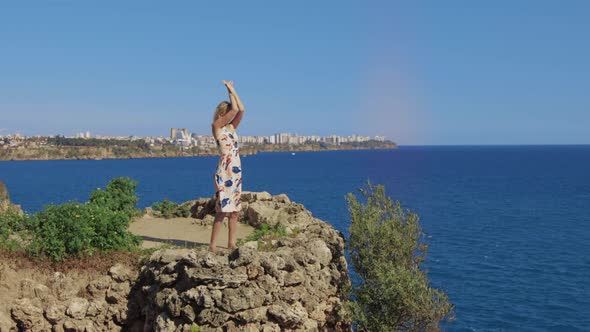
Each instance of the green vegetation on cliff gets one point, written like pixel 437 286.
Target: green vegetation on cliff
pixel 168 209
pixel 76 229
pixel 387 248
pixel 95 142
pixel 119 196
pixel 12 223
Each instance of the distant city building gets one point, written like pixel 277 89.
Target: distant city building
pixel 333 139
pixel 178 133
pixel 294 139
pixel 181 137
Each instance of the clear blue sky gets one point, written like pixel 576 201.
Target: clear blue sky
pixel 438 72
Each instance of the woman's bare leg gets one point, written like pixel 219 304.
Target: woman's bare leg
pixel 217 222
pixel 232 225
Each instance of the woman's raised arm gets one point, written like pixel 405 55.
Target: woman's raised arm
pixel 235 99
pixel 231 114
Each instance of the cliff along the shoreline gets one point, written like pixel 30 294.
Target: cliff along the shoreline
pixel 295 281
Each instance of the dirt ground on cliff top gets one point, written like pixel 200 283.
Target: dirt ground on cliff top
pixel 183 232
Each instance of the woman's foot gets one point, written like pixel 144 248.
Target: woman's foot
pixel 232 247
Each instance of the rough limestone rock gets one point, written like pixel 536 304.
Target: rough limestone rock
pixel 293 283
pixel 3 192
pixel 60 306
pixel 290 283
pixel 257 208
pixel 5 203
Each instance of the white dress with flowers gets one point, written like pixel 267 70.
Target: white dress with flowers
pixel 228 177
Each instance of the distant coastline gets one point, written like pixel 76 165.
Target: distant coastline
pixel 21 153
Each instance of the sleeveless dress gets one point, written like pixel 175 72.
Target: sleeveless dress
pixel 228 177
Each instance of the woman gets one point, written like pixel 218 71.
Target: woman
pixel 228 177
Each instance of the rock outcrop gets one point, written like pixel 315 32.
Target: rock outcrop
pixel 64 304
pixel 3 192
pixel 5 203
pixel 293 281
pixel 259 208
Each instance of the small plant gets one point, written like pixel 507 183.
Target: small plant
pixel 266 232
pixel 11 222
pixel 165 208
pixel 184 210
pixel 168 209
pixel 264 235
pixel 12 229
pixel 386 248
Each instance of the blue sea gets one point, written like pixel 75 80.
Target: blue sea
pixel 508 226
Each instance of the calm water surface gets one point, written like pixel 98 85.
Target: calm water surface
pixel 509 226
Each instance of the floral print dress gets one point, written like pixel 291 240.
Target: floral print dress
pixel 228 177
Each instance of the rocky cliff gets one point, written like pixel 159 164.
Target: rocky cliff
pixel 72 301
pixel 5 203
pixel 292 281
pixel 34 151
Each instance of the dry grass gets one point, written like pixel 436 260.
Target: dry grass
pixel 99 263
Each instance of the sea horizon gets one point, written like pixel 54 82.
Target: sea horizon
pixel 486 213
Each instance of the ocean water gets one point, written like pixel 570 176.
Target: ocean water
pixel 508 226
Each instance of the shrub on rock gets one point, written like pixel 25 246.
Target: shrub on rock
pixel 11 223
pixel 82 229
pixel 168 209
pixel 386 248
pixel 118 196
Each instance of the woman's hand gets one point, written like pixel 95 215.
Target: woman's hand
pixel 229 85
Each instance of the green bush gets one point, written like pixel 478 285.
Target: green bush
pixel 118 196
pixel 79 229
pixel 168 209
pixel 184 210
pixel 165 208
pixel 386 247
pixel 75 229
pixel 11 222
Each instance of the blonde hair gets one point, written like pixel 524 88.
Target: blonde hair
pixel 221 109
